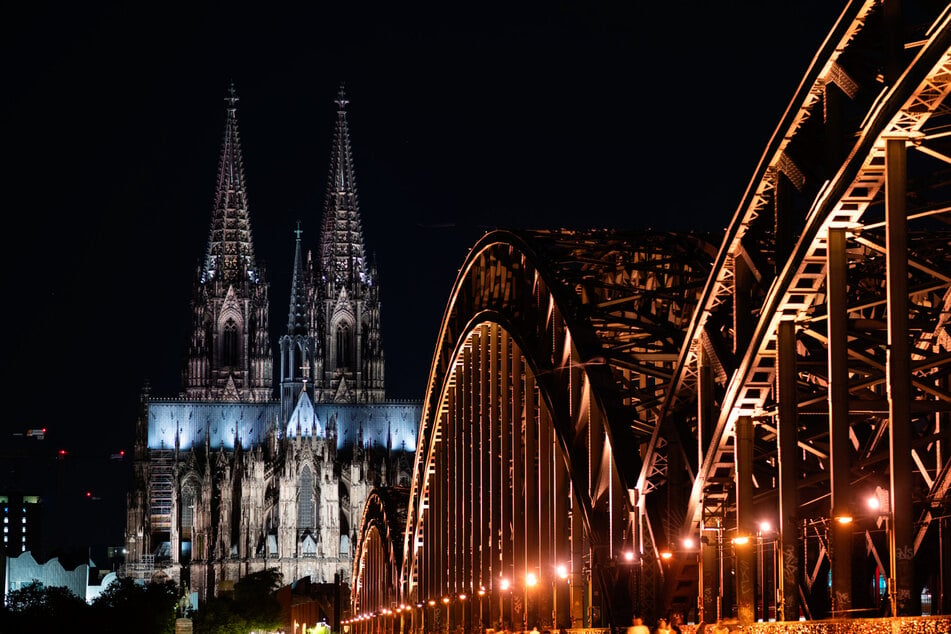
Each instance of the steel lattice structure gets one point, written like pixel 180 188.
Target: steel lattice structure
pixel 547 339
pixel 593 393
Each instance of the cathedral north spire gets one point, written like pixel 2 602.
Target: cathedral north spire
pixel 229 353
pixel 230 254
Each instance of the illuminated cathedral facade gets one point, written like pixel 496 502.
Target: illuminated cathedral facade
pixel 250 469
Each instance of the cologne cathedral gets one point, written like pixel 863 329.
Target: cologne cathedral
pixel 244 470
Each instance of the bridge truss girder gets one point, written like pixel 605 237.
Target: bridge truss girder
pixel 554 353
pixel 841 243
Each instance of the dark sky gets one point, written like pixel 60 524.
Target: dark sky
pixel 463 117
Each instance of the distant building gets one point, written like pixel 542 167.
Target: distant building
pixel 22 522
pixel 23 570
pixel 230 479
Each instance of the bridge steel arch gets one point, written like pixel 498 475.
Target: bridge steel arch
pixel 815 371
pixel 376 565
pixel 592 392
pixel 554 355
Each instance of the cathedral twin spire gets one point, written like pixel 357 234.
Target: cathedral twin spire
pixel 348 300
pixel 343 261
pixel 230 250
pixel 332 346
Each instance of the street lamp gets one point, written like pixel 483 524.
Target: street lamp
pixel 560 596
pixel 764 529
pixel 504 585
pixel 880 502
pixel 481 600
pixel 531 580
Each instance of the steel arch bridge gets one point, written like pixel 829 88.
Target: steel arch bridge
pixel 597 397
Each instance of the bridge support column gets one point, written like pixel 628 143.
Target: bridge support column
pixel 709 595
pixel 531 517
pixel 482 456
pixel 547 561
pixel 578 574
pixel 515 426
pixel 898 371
pixel 494 571
pixel 840 540
pixel 744 543
pixel 788 460
pixel 506 398
pixel 561 540
pixel 709 591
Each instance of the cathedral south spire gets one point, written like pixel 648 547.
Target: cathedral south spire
pixel 229 351
pixel 341 243
pixel 348 301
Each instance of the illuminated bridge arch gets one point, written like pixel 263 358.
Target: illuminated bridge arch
pixel 378 558
pixel 816 370
pixel 554 355
pixel 594 392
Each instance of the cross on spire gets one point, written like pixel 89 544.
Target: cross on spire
pixel 232 97
pixel 298 231
pixel 341 99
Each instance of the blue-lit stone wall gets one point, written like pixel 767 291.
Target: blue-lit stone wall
pixel 226 424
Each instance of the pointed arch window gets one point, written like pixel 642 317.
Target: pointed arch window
pixel 344 345
pixel 305 499
pixel 229 344
pixel 187 511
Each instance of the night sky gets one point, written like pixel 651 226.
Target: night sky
pixel 463 118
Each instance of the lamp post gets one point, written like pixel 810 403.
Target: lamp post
pixel 561 571
pixel 445 601
pixel 531 580
pixel 719 572
pixel 504 586
pixel 764 529
pixel 744 586
pixel 880 503
pixel 841 547
pixel 481 600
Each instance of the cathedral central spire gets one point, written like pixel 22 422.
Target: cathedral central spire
pixel 297 314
